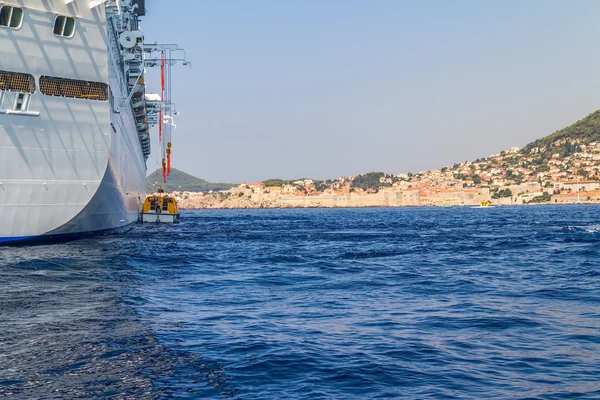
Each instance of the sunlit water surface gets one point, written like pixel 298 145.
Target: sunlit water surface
pixel 312 304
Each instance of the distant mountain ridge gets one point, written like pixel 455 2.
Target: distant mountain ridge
pixel 181 181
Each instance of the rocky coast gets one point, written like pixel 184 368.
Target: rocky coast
pixel 196 201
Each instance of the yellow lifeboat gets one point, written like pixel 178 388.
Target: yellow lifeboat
pixel 160 208
pixel 484 204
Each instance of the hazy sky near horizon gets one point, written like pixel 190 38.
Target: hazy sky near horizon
pixel 328 88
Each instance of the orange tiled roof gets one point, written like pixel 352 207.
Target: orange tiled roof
pixel 565 195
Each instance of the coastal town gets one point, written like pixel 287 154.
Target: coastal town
pixel 564 172
pixel 561 168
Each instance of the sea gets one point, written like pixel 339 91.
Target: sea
pixel 376 303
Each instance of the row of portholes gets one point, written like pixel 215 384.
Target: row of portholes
pixel 12 17
pixel 52 86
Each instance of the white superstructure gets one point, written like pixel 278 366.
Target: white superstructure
pixel 73 118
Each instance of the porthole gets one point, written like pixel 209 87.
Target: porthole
pixel 11 17
pixel 64 26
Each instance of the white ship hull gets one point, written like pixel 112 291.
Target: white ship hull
pixel 68 166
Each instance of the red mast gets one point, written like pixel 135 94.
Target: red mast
pixel 160 114
pixel 169 158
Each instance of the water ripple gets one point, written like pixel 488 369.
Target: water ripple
pixel 311 304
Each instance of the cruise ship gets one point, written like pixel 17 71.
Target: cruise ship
pixel 75 117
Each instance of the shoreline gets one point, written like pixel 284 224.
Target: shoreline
pixel 382 206
pixel 224 200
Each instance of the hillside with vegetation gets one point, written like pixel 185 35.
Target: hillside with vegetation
pixel 584 131
pixel 181 181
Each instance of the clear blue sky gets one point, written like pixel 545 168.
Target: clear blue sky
pixel 325 88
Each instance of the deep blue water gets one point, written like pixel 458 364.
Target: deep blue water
pixel 311 304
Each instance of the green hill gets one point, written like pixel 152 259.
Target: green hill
pixel 585 130
pixel 180 181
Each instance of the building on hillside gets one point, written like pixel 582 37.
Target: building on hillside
pixel 455 196
pixel 584 186
pixel 401 185
pixel 503 201
pixel 424 199
pixel 257 187
pixel 564 198
pixel 525 187
pixel 591 196
pixel 241 189
pixel 446 197
pixel 570 198
pixel 273 189
pixel 527 197
pixel 450 183
pixel 288 189
pixel 410 197
pixel 476 196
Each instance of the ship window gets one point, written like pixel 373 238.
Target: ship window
pixel 64 26
pixel 73 88
pixel 11 17
pixel 21 102
pixel 16 82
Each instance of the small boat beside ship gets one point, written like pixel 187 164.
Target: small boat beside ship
pixel 160 208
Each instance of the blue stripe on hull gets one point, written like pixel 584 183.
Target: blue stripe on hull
pixel 12 240
pixel 58 238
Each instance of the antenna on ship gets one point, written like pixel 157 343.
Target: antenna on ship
pixel 165 56
pixel 149 110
